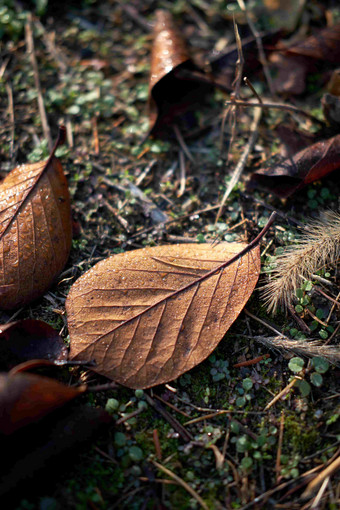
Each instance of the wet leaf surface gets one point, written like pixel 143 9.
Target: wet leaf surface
pixel 29 339
pixel 26 398
pixel 306 166
pixel 149 315
pixel 35 230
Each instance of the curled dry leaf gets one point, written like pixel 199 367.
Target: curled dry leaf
pixel 26 398
pixel 29 339
pixel 148 316
pixel 171 93
pixel 306 166
pixel 35 229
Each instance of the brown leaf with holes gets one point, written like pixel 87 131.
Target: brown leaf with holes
pixel 29 339
pixel 306 166
pixel 26 398
pixel 147 316
pixel 35 229
pixel 175 81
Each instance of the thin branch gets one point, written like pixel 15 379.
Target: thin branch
pixel 262 55
pixel 279 106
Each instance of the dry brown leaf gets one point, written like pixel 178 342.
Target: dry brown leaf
pixel 35 229
pixel 26 398
pixel 147 316
pixel 308 165
pixel 170 92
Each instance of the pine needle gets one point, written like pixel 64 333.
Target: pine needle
pixel 320 245
pixel 308 348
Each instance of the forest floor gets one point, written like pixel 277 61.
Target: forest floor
pixel 217 443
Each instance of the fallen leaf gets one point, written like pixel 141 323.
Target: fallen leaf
pixel 171 92
pixel 306 166
pixel 331 110
pixel 35 229
pixel 293 139
pixel 36 455
pixel 290 73
pixel 26 398
pixel 29 339
pixel 293 64
pixel 324 45
pixel 333 86
pixel 147 316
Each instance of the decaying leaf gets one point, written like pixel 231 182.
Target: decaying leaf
pixel 147 316
pixel 29 339
pixel 35 229
pixel 331 109
pixel 36 455
pixel 26 398
pixel 293 64
pixel 324 45
pixel 306 166
pixel 171 92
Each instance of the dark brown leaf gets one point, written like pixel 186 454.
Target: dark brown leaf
pixel 331 109
pixel 324 45
pixel 26 398
pixel 29 339
pixel 36 455
pixel 35 230
pixel 171 93
pixel 306 166
pixel 148 316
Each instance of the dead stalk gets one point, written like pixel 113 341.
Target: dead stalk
pixel 242 162
pixel 183 484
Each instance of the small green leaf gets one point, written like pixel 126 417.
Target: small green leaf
pixel 120 439
pixel 135 453
pixel 304 387
pixel 316 379
pixel 246 463
pixel 240 401
pixel 299 309
pixel 296 365
pixel 321 365
pixel 111 405
pixel 247 384
pixel 319 313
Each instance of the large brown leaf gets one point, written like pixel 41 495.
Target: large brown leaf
pixel 148 316
pixel 306 166
pixel 35 230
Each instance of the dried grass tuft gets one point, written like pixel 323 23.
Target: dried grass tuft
pixel 308 348
pixel 320 245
